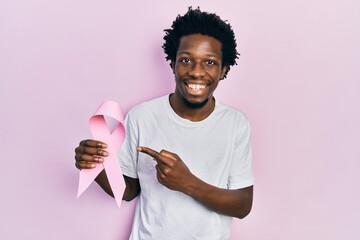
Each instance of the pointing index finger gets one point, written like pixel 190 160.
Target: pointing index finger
pixel 149 151
pixel 160 157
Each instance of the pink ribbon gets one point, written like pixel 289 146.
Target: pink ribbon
pixel 114 139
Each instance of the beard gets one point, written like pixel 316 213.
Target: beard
pixel 195 105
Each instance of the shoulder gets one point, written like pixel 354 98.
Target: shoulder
pixel 230 113
pixel 237 121
pixel 148 108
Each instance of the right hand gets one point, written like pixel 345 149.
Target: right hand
pixel 89 153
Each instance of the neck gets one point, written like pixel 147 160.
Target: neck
pixel 190 111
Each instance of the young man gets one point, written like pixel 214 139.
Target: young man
pixel 187 155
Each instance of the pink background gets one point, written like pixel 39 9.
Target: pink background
pixel 298 81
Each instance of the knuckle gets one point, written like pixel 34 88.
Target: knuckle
pixel 160 177
pixel 78 149
pixel 77 165
pixel 81 150
pixel 80 157
pixel 164 152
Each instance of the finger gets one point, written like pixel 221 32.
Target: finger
pixel 91 151
pixel 162 170
pixel 84 165
pixel 159 157
pixel 88 158
pixel 169 154
pixel 92 143
pixel 160 177
pixel 149 151
pixel 152 153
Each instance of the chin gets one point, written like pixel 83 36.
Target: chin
pixel 195 104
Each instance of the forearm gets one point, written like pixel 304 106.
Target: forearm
pixel 175 175
pixel 236 203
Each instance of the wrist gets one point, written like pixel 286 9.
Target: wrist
pixel 193 187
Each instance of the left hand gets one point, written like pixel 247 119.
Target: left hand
pixel 171 170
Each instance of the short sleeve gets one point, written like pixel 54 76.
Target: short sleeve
pixel 127 155
pixel 241 174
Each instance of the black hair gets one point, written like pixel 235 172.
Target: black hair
pixel 197 22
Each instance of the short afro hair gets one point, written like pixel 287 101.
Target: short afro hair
pixel 197 22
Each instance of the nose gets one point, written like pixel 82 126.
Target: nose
pixel 197 70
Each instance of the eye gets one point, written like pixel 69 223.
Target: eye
pixel 210 62
pixel 184 60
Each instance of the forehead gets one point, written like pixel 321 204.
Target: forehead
pixel 200 44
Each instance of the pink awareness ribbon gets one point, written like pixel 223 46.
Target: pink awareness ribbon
pixel 100 131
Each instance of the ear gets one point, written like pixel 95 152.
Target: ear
pixel 223 71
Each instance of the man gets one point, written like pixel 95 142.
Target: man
pixel 187 155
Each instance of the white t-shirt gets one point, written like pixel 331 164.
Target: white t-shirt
pixel 216 150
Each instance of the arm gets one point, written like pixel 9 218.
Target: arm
pixel 235 203
pixel 174 174
pixel 92 152
pixel 132 186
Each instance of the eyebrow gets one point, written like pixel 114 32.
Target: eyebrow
pixel 207 55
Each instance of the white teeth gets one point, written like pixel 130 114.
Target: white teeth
pixel 196 87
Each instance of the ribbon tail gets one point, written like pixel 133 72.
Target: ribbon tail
pixel 115 177
pixel 87 176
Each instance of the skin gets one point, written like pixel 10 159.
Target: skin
pixel 198 63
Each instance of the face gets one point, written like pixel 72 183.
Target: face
pixel 198 69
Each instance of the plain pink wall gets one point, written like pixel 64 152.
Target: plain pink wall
pixel 297 79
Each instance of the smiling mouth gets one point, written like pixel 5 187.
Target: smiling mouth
pixel 196 87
